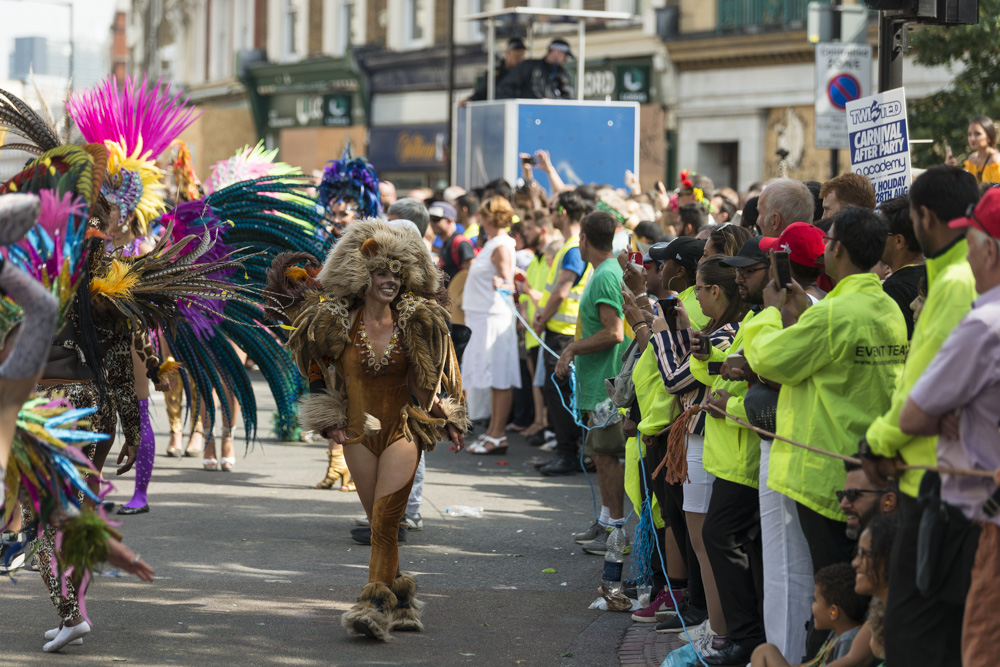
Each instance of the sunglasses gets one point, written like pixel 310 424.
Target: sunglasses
pixel 853 494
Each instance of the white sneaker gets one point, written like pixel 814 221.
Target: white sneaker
pixel 67 635
pixel 697 632
pixel 361 520
pixel 414 522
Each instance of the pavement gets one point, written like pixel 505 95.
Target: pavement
pixel 255 567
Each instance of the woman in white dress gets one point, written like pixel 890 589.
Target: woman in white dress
pixel 490 360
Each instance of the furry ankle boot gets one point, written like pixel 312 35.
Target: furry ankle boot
pixel 372 614
pixel 406 612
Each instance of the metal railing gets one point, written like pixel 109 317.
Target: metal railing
pixel 761 15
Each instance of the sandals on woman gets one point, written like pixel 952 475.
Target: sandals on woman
pixel 226 463
pixel 487 445
pixel 211 465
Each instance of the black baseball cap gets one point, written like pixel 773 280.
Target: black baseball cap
pixel 515 43
pixel 683 250
pixel 748 255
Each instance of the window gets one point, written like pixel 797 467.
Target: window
pixel 470 31
pixel 221 46
pixel 412 20
pixel 290 41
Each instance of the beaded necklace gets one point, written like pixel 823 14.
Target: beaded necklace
pixel 373 365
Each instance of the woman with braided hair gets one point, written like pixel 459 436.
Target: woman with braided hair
pixel 385 385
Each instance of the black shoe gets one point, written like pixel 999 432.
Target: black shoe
pixel 561 465
pixel 537 439
pixel 730 654
pixel 691 618
pixel 363 534
pixel 539 466
pixel 132 510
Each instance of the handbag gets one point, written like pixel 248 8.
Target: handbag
pixel 621 389
pixel 946 546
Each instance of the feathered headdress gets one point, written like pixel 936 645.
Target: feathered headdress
pixel 248 164
pixel 20 119
pixel 372 244
pixel 350 177
pixel 136 123
pixel 184 177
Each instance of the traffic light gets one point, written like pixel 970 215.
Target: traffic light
pixel 935 12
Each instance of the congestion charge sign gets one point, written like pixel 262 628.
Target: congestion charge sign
pixel 879 142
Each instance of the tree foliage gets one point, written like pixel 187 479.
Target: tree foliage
pixel 974 91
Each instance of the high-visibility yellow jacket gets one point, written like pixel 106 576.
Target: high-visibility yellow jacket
pixel 838 366
pixel 657 406
pixel 732 452
pixel 564 319
pixel 951 289
pixel 536 277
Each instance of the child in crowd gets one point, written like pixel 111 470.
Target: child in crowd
pixel 837 608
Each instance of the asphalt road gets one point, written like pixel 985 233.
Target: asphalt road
pixel 255 567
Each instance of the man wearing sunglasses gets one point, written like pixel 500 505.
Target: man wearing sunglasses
pixel 937 196
pixel 861 501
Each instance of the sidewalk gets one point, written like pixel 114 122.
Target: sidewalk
pixel 642 646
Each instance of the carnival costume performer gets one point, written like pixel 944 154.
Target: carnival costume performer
pixel 137 123
pixel 39 467
pixel 385 384
pixel 347 192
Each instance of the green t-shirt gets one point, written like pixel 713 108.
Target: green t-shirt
pixel 605 287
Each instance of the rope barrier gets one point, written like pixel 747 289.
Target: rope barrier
pixel 850 459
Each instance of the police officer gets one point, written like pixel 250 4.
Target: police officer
pixel 512 57
pixel 537 79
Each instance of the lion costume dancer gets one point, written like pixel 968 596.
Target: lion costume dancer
pixel 385 384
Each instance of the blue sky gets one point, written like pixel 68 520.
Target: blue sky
pixel 35 18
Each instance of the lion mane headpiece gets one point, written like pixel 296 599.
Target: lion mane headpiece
pixel 372 244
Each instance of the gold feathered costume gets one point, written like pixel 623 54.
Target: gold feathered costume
pixel 319 305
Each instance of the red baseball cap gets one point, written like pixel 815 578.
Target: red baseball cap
pixel 801 240
pixel 984 216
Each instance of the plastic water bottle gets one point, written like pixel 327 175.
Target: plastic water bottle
pixel 613 560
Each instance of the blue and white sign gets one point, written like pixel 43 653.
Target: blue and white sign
pixel 843 74
pixel 880 143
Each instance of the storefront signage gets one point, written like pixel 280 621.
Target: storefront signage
pixel 618 82
pixel 285 111
pixel 408 148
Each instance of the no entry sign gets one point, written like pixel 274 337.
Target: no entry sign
pixel 843 75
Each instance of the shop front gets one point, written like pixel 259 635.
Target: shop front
pixel 311 110
pixel 411 156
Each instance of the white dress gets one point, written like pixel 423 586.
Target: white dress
pixel 490 360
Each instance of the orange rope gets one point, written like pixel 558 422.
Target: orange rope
pixel 852 459
pixel 674 462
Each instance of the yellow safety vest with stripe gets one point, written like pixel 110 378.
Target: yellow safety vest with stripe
pixel 563 321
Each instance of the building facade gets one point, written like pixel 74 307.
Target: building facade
pixel 722 84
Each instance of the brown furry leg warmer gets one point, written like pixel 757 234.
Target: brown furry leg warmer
pixel 371 615
pixel 406 613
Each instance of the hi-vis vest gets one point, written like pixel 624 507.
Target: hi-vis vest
pixel 564 320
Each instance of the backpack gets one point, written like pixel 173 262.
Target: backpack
pixel 455 243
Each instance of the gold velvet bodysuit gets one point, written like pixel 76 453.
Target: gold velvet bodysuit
pixel 375 386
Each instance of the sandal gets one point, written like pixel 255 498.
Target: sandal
pixel 227 463
pixel 211 465
pixel 174 450
pixel 480 446
pixel 195 451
